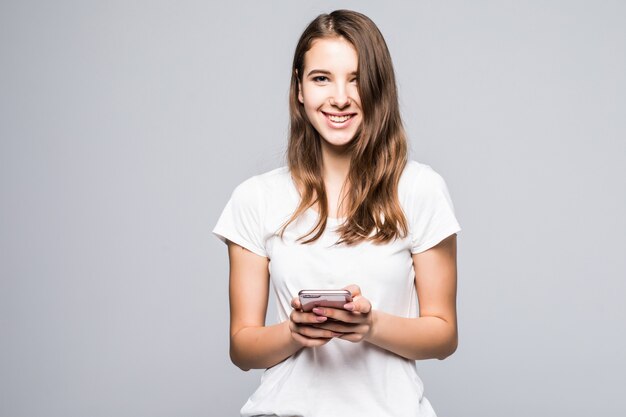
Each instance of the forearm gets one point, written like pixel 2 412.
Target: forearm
pixel 262 347
pixel 413 338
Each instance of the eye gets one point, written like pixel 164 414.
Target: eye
pixel 320 79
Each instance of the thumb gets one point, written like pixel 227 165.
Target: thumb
pixel 361 304
pixel 354 289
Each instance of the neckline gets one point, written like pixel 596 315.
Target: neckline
pixel 329 219
pixel 311 210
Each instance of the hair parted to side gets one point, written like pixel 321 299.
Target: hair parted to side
pixel 379 150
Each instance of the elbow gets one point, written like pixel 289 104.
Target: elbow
pixel 449 348
pixel 236 357
pixel 238 362
pixel 242 367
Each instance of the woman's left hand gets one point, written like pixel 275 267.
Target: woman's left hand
pixel 354 320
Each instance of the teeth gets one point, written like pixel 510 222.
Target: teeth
pixel 338 119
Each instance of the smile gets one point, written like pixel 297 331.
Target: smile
pixel 339 118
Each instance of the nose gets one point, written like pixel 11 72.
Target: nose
pixel 340 96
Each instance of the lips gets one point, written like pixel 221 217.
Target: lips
pixel 339 118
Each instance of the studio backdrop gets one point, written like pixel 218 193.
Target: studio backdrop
pixel 125 126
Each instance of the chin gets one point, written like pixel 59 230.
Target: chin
pixel 338 142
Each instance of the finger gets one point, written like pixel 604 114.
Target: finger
pixel 306 318
pixel 314 333
pixel 339 314
pixel 295 303
pixel 337 327
pixel 354 289
pixel 333 313
pixel 359 304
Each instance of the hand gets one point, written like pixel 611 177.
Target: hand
pixel 353 322
pixel 303 330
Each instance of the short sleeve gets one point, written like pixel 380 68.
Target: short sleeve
pixel 430 211
pixel 241 221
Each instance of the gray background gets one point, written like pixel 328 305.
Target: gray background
pixel 125 126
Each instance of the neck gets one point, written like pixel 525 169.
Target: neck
pixel 336 165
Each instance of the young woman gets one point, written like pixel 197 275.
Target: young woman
pixel 348 211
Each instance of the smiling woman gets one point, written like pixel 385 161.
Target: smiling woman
pixel 348 211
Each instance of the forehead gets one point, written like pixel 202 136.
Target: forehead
pixel 334 54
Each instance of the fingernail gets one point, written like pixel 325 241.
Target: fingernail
pixel 318 310
pixel 349 306
pixel 321 318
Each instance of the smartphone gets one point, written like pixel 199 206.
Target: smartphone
pixel 324 298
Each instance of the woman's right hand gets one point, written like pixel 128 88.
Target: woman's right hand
pixel 302 330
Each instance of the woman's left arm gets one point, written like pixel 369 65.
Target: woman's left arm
pixel 434 333
pixel 431 335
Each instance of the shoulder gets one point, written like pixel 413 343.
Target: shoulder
pixel 270 185
pixel 419 179
pixel 426 202
pixel 274 179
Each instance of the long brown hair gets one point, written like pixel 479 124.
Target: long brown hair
pixel 378 151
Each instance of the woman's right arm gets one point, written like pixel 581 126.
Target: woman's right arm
pixel 252 344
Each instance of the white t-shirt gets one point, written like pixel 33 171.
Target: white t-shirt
pixel 341 378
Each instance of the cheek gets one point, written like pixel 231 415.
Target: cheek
pixel 312 117
pixel 312 101
pixel 313 98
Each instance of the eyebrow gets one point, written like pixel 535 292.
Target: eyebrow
pixel 325 72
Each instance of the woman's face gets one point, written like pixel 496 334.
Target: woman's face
pixel 328 90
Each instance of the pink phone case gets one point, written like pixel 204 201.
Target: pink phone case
pixel 324 298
